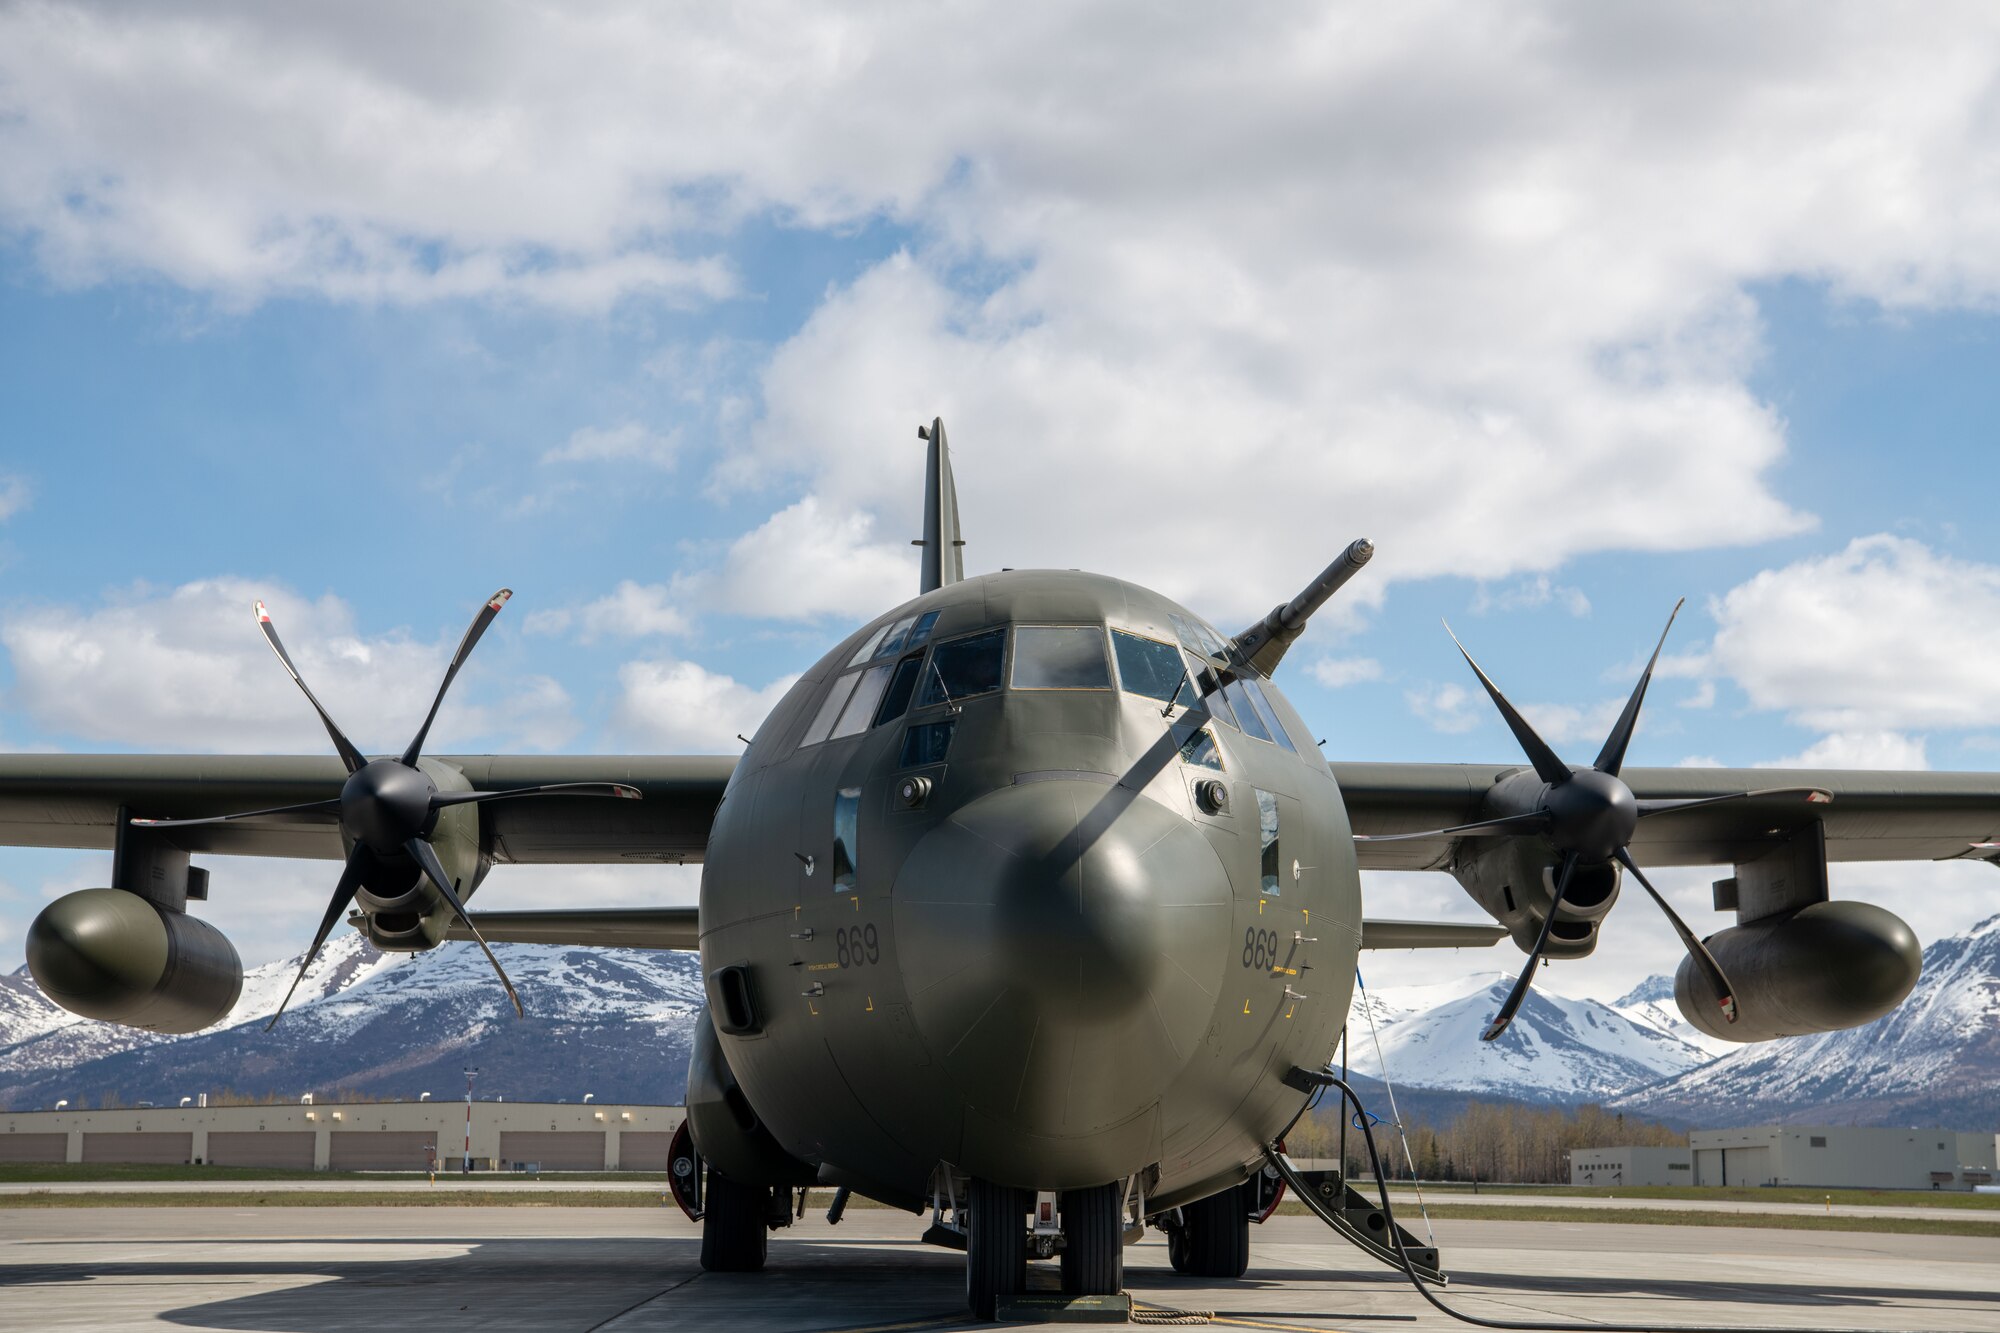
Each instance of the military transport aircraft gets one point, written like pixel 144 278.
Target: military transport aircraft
pixel 1033 904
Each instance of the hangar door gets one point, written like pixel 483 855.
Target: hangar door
pixel 33 1147
pixel 381 1150
pixel 639 1150
pixel 556 1150
pixel 148 1149
pixel 290 1148
pixel 1732 1166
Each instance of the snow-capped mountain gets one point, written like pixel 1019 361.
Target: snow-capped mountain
pixel 1651 1004
pixel 617 1022
pixel 1934 1061
pixel 1557 1049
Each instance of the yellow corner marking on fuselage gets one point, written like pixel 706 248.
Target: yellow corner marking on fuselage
pixel 1246 1006
pixel 871 1006
pixel 1260 907
pixel 1291 1011
pixel 812 1008
pixel 822 967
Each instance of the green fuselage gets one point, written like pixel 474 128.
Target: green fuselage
pixel 1061 959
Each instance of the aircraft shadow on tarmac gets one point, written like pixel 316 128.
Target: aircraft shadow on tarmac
pixel 583 1284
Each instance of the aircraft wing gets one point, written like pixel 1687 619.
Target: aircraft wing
pixel 74 800
pixel 1875 815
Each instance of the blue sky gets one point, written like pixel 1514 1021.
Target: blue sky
pixel 641 327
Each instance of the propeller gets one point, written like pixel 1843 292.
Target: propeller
pixel 1590 815
pixel 388 807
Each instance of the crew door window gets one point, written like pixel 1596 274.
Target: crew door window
pixel 846 834
pixel 1267 836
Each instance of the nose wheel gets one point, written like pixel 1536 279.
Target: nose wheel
pixel 734 1223
pixel 1093 1255
pixel 996 1246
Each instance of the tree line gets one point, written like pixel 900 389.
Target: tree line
pixel 1485 1141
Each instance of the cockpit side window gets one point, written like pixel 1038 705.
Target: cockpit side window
pixel 868 646
pixel 962 668
pixel 1246 712
pixel 902 686
pixel 1060 657
pixel 1268 715
pixel 1151 668
pixel 860 710
pixel 829 711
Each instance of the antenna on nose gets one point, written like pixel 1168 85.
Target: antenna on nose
pixel 1264 644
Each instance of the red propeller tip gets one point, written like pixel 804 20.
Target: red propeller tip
pixel 1819 797
pixel 629 793
pixel 1729 1008
pixel 500 598
pixel 262 614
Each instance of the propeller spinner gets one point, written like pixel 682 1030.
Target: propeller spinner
pixel 1589 815
pixel 389 807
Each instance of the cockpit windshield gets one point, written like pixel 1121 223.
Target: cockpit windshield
pixel 1060 657
pixel 961 668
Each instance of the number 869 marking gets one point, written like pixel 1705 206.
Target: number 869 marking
pixel 856 947
pixel 1260 949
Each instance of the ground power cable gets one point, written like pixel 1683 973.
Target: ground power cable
pixel 1395 1114
pixel 1328 1079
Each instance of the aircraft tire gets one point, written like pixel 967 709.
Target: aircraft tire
pixel 1177 1246
pixel 996 1246
pixel 733 1232
pixel 1218 1235
pixel 1093 1256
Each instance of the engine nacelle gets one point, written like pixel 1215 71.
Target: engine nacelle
pixel 726 1130
pixel 1825 967
pixel 112 955
pixel 1514 880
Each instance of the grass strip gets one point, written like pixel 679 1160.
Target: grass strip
pixel 1950 1225
pixel 440 1198
pixel 1962 1199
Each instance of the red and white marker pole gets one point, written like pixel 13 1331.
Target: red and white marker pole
pixel 466 1167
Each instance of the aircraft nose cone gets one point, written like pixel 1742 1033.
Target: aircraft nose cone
pixel 1062 945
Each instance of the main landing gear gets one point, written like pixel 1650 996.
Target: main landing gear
pixel 736 1222
pixel 1213 1237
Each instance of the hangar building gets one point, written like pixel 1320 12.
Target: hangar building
pixel 1817 1157
pixel 353 1136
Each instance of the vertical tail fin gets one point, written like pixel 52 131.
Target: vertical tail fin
pixel 944 553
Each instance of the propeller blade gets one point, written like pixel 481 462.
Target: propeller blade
pixel 343 894
pixel 426 857
pixel 348 754
pixel 1547 766
pixel 465 647
pixel 1502 827
pixel 1813 795
pixel 308 807
pixel 618 789
pixel 1519 994
pixel 1612 757
pixel 1704 961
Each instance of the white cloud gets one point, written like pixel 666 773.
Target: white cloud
pixel 1531 595
pixel 186 668
pixel 626 442
pixel 1335 672
pixel 1862 749
pixel 680 707
pixel 809 560
pixel 1451 709
pixel 1413 267
pixel 14 496
pixel 1886 635
pixel 631 611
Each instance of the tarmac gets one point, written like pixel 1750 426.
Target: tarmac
pixel 325 1269
pixel 1837 1204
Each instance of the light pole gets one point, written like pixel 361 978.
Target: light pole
pixel 470 1074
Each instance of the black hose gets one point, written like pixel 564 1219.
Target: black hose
pixel 1329 1079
